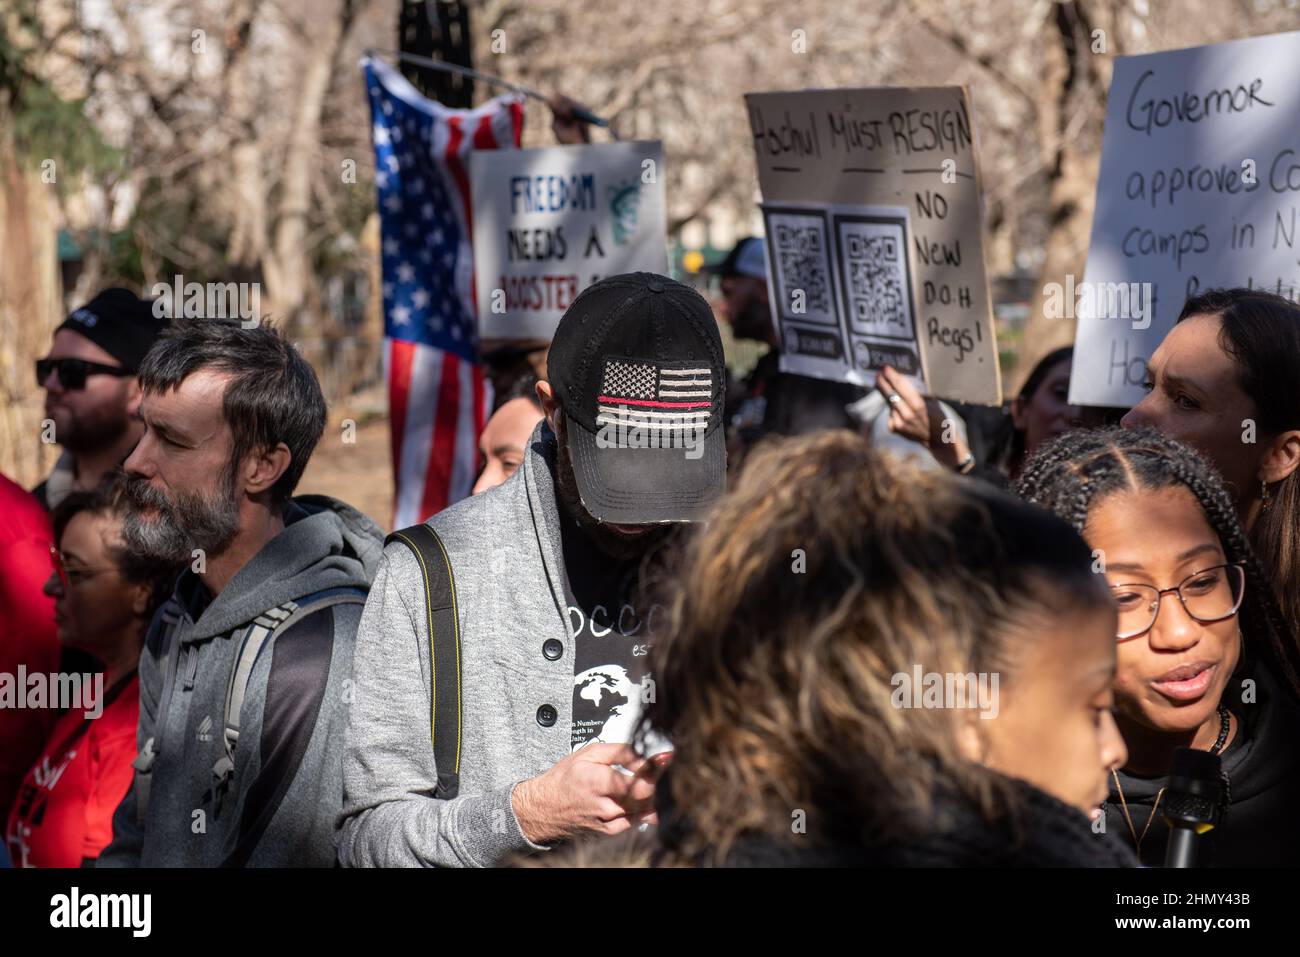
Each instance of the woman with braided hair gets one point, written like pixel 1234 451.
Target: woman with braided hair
pixel 1204 658
pixel 1226 380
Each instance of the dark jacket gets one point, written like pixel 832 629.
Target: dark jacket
pixel 1262 764
pixel 794 404
pixel 1040 832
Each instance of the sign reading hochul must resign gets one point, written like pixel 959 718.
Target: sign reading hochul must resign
pixel 550 222
pixel 871 199
pixel 1199 188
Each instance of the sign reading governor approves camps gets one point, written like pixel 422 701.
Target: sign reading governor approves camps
pixel 871 202
pixel 1199 187
pixel 550 222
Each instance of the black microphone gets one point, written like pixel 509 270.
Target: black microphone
pixel 1193 803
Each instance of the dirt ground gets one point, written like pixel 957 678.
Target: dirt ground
pixel 358 472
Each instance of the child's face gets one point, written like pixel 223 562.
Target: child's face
pixel 1055 728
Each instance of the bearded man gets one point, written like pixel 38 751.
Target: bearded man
pixel 245 676
pixel 92 395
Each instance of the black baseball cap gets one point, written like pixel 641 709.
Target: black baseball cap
pixel 119 322
pixel 637 367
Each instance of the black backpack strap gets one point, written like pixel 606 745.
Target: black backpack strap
pixel 443 623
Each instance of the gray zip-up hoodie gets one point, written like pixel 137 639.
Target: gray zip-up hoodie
pixel 507 559
pixel 284 794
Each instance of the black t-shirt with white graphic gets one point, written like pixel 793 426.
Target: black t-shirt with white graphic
pixel 609 630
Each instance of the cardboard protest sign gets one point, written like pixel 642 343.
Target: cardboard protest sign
pixel 871 202
pixel 1199 187
pixel 550 222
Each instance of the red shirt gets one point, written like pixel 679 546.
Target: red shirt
pixel 28 635
pixel 64 811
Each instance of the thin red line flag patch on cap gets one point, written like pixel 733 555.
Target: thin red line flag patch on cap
pixel 652 396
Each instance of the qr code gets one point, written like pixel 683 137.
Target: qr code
pixel 876 281
pixel 804 266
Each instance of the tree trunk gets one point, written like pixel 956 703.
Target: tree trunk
pixel 246 246
pixel 30 307
pixel 292 259
pixel 1072 173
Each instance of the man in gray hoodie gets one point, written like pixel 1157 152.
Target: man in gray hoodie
pixel 553 623
pixel 245 673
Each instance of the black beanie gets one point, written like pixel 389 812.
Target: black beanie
pixel 120 323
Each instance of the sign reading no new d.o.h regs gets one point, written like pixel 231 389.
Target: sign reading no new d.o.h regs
pixel 1199 188
pixel 550 222
pixel 871 207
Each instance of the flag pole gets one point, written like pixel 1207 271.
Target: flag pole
pixel 586 116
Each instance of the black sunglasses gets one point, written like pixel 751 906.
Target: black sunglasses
pixel 73 372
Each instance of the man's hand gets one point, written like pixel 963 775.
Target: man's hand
pixel 568 129
pixel 585 792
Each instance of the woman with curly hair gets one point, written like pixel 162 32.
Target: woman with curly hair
pixel 1205 659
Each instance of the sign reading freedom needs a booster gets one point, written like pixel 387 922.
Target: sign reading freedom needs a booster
pixel 550 222
pixel 1199 188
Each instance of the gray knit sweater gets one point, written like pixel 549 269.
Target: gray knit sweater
pixel 507 560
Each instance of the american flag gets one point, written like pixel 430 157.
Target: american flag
pixel 438 398
pixel 654 396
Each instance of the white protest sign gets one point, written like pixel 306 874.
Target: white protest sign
pixel 871 202
pixel 550 222
pixel 1199 185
